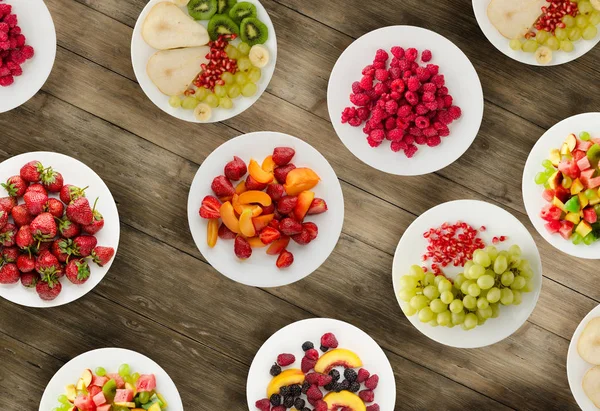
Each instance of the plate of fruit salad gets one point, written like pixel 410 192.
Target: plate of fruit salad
pixel 111 379
pixel 467 274
pixel 204 61
pixel 265 209
pixel 326 365
pixel 405 100
pixel 27 50
pixel 59 229
pixel 540 32
pixel 561 186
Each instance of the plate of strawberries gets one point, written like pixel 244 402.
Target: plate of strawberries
pixel 59 229
pixel 266 209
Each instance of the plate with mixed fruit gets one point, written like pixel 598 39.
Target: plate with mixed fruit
pixel 111 379
pixel 27 50
pixel 204 61
pixel 540 32
pixel 320 364
pixel 59 229
pixel 405 100
pixel 265 209
pixel 561 186
pixel 467 274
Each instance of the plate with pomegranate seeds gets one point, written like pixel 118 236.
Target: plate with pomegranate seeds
pixel 27 50
pixel 561 186
pixel 111 379
pixel 59 229
pixel 406 107
pixel 327 365
pixel 265 209
pixel 204 61
pixel 467 274
pixel 540 32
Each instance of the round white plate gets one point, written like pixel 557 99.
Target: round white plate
pixel 498 222
pixel 76 173
pixel 461 80
pixel 532 193
pixel 141 53
pixel 260 269
pixel 290 339
pixel 110 359
pixel 501 42
pixel 38 28
pixel 577 367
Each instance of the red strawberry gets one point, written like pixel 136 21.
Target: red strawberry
pixel 15 186
pixel 70 193
pixel 43 227
pixel 7 203
pixel 97 222
pixel 328 340
pixel 363 375
pixel 286 204
pixel 52 180
pixel 61 249
pixel 69 229
pixel 285 259
pixel 314 393
pixel 26 263
pixel 312 229
pixel 83 245
pixel 77 271
pixel 3 218
pixel 37 187
pixel 29 280
pixel 24 238
pixel 373 407
pixel 252 184
pixel 303 238
pixel 242 248
pixel 263 405
pixel 225 233
pixel 367 395
pixel 48 288
pixel 9 274
pixel 270 209
pixel 102 255
pixel 283 155
pixel 46 263
pixel 32 171
pixel 21 215
pixel 269 234
pixel 10 254
pixel 281 173
pixel 55 207
pixel 317 206
pixel 35 202
pixel 222 187
pixel 283 360
pixel 275 224
pixel 43 247
pixel 312 354
pixel 290 227
pixel 79 211
pixel 210 208
pixel 7 235
pixel 235 169
pixel 275 191
pixel 372 382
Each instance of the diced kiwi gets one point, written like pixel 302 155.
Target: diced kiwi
pixel 221 24
pixel 254 31
pixel 241 11
pixel 202 9
pixel 223 6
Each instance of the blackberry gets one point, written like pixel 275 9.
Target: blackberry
pixel 299 403
pixel 324 349
pixel 275 370
pixel 330 386
pixel 284 391
pixel 275 400
pixel 288 402
pixel 354 387
pixel 337 387
pixel 305 387
pixel 344 385
pixel 295 391
pixel 307 346
pixel 305 409
pixel 335 375
pixel 350 375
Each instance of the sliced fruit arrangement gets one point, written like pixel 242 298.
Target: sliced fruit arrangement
pixel 571 180
pixel 319 381
pixel 206 68
pixel 543 27
pixel 42 237
pixel 402 101
pixel 122 391
pixel 14 50
pixel 268 208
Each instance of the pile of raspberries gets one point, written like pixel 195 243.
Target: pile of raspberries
pixel 13 50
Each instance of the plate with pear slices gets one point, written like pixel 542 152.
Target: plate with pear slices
pixel 204 61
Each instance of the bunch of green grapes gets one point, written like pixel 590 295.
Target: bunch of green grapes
pixel 492 278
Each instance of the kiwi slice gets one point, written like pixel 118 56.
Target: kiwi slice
pixel 254 31
pixel 202 9
pixel 241 11
pixel 221 24
pixel 223 6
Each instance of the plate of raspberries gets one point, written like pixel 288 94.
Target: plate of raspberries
pixel 27 50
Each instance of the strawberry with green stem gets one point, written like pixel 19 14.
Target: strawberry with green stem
pixel 79 211
pixel 15 186
pixel 68 229
pixel 84 245
pixel 49 287
pixel 102 255
pixel 78 271
pixel 7 235
pixel 70 193
pixel 52 180
pixel 32 171
pixel 97 222
pixel 43 227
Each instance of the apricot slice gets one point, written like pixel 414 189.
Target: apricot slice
pixel 241 187
pixel 246 226
pixel 255 242
pixel 344 399
pixel 304 202
pixel 239 207
pixel 338 357
pixel 229 218
pixel 299 180
pixel 212 232
pixel 257 173
pixel 268 164
pixel 292 376
pixel 262 221
pixel 255 196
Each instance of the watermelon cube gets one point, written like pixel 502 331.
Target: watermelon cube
pixel 124 396
pixel 584 163
pixel 146 382
pixel 105 407
pixel 118 379
pixel 551 213
pixel 99 399
pixel 553 226
pixel 93 390
pixel 583 145
pixel 548 195
pixel 594 182
pixel 589 215
pixel 566 229
pixel 577 154
pixel 99 381
pixel 569 168
pixel 586 176
pixel 85 403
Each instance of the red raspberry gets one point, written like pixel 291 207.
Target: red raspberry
pixel 455 112
pixel 444 117
pixel 415 131
pixel 324 379
pixel 422 74
pixel 421 109
pixel 3 36
pixel 4 45
pixel 382 75
pixel 398 145
pixel 433 69
pixel 320 406
pixel 428 97
pixel 409 140
pixel 378 115
pixel 328 340
pixel 363 113
pixel 372 382
pixel 373 407
pixel 279 408
pixel 413 83
pixel 420 140
pixel 390 123
pixel 360 100
pixel 307 364
pixel 395 135
pixel 377 65
pixel 380 88
pixel 444 131
pixel 394 95
pixel 17 71
pixel 20 40
pixel 373 143
pixel 366 83
pixel 398 52
pixel 363 375
pixel 314 393
pixel 404 65
pixel 391 107
pixel 404 111
pixel 381 55
pixel 283 360
pixel 17 56
pixel 15 31
pixel 368 70
pixel 410 151
pixel 395 73
pixel 411 97
pixel 448 100
pixel 11 20
pixel 3 26
pixel 263 405
pixel 432 105
pixel 355 122
pixel 4 71
pixel 356 88
pixel 6 81
pixel 411 54
pixel 429 132
pixel 438 80
pixel 442 91
pixel 312 354
pixel 426 56
pixel 429 87
pixel 403 123
pixel 312 378
pixel 398 85
pixel 434 141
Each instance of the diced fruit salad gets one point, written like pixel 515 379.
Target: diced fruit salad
pixel 44 238
pixel 14 51
pixel 489 279
pixel 571 180
pixel 101 391
pixel 331 380
pixel 402 101
pixel 267 207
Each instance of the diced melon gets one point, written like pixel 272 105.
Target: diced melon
pixel 559 204
pixel 576 187
pixel 583 229
pixel 594 182
pixel 573 217
pixel 584 164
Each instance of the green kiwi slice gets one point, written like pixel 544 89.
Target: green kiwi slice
pixel 202 9
pixel 223 6
pixel 241 11
pixel 221 24
pixel 254 31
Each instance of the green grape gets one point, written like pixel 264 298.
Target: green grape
pixel 227 77
pixel 234 91
pixel 431 292
pixel 492 252
pixel 514 250
pixel 464 288
pixel 135 376
pixel 244 64
pixel 507 278
pixel 518 283
pixel 485 282
pixel 524 265
pixel 437 306
pixel 470 321
pixel 581 21
pixel 189 103
pixel 127 378
pixel 495 310
pixel 553 43
pixel 507 296
pixel 458 318
pixel 418 302
pixel 530 46
pixel 574 33
pixel 540 178
pixel 226 103
pixel 515 44
pixel 485 312
pixel 417 272
pixel 568 20
pixel 476 271
pixel 201 93
pixel 494 294
pixel 517 297
pixel 63 399
pixel 467 267
pixel 437 280
pixel 425 315
pixel 528 286
pixel 585 136
pixel 456 306
pixel 589 239
pixel 220 91
pixel 409 311
pixel 567 45
pixel 589 32
pixel 447 297
pixel 542 36
pixel 527 273
pixel 240 78
pixel 595 18
pixel 233 52
pixel 212 100
pixel 444 285
pixel 244 48
pixel 254 74
pixel 175 102
pixel 56 409
pixel 576 238
pixel 144 397
pixel 444 318
pixel 429 279
pixel 249 90
pixel 501 264
pixel 585 7
pixel 100 372
pixel 407 281
pixel 433 323
pixel 482 258
pixel 405 294
pixel 567 181
pixel 561 33
pixel 459 280
pixel 124 370
pixel 547 164
pixel 469 302
pixel 482 302
pixel 474 290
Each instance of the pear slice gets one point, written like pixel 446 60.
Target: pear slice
pixel 168 27
pixel 588 345
pixel 591 385
pixel 514 18
pixel 172 71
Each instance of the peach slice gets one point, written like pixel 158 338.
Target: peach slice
pixel 71 393
pixel 299 180
pixel 255 242
pixel 338 357
pixel 229 218
pixel 262 221
pixel 344 399
pixel 239 207
pixel 246 226
pixel 278 245
pixel 87 376
pixel 304 202
pixel 257 173
pixel 255 196
pixel 268 164
pixel 571 142
pixel 292 376
pixel 241 187
pixel 212 232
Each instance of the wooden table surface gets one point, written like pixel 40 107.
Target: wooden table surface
pixel 162 299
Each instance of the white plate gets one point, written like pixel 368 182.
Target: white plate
pixel 498 222
pixel 532 193
pixel 38 28
pixel 110 359
pixel 76 173
pixel 577 367
pixel 141 53
pixel 260 269
pixel 502 43
pixel 461 80
pixel 290 339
